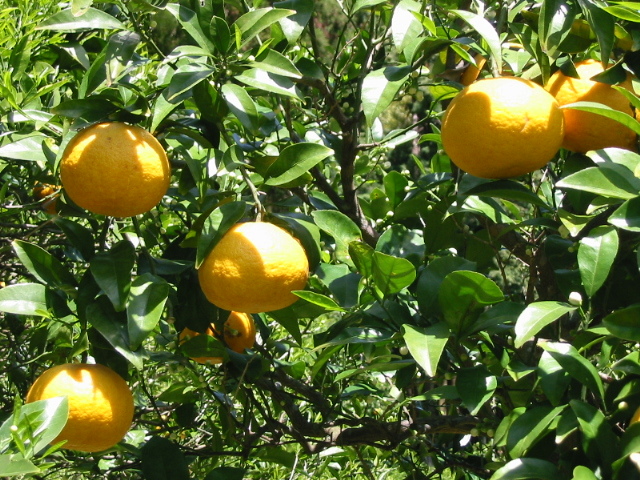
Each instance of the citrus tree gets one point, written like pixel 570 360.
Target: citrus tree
pixel 444 326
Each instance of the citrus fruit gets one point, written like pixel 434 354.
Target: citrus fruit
pixel 636 417
pixel 502 127
pixel 585 131
pixel 49 194
pixel 239 334
pixel 115 169
pixel 254 268
pixel 100 404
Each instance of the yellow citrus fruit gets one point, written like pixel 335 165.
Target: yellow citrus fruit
pixel 254 268
pixel 49 194
pixel 502 127
pixel 636 417
pixel 115 169
pixel 100 404
pixel 585 131
pixel 239 334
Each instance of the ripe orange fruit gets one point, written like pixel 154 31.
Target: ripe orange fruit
pixel 636 417
pixel 115 169
pixel 585 131
pixel 502 127
pixel 100 404
pixel 239 334
pixel 254 268
pixel 48 193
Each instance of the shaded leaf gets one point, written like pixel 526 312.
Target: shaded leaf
pixel 294 161
pixel 475 386
pixel 147 298
pixel 44 266
pixel 163 460
pixel 112 272
pixel 623 323
pixel 527 468
pixel 216 225
pixel 24 299
pixel 91 19
pixel 531 427
pixel 486 31
pixel 379 88
pixel 575 365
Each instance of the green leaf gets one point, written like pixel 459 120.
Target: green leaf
pixel 600 109
pixel 431 279
pixel 553 379
pixel 112 272
pixel 41 421
pixel 220 34
pixel 147 298
pixel 476 386
pixel 362 4
pixel 226 473
pixel 608 180
pixel 318 299
pixel 392 274
pixel 204 346
pixel 625 12
pixel 216 225
pixel 405 27
pixel 44 266
pixel 163 460
pixel 189 21
pixel 627 216
pixel 599 441
pixel 252 23
pixel 426 344
pixel 79 236
pixel 107 321
pixel 119 51
pixel 463 295
pixel 536 316
pixel 486 31
pixel 12 465
pixel 394 185
pixel 340 227
pixel 186 78
pixel 575 365
pixel 24 299
pixel 624 323
pixel 92 19
pixel 274 62
pixel 91 108
pixel 270 82
pixel 507 190
pixel 379 88
pixel 554 24
pixel 602 23
pixel 362 256
pixel 531 427
pixel 596 255
pixel 30 148
pixel 293 26
pixel 294 161
pixel 583 473
pixel 242 106
pixel 527 468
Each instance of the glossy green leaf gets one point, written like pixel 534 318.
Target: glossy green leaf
pixel 608 180
pixel 527 468
pixel 92 19
pixel 318 299
pixel 596 255
pixel 554 24
pixel 112 272
pixel 119 52
pixel 112 326
pixel 627 216
pixel 624 12
pixel 339 226
pixel 186 78
pixel 147 299
pixel 92 108
pixel 163 460
pixel 392 274
pixel 220 34
pixel 30 148
pixel 270 82
pixel 498 317
pixel 536 316
pixel 575 365
pixel 602 24
pixel 362 256
pixel 275 62
pixel 216 225
pixel 294 161
pixel 379 89
pixel 44 266
pixel 15 464
pixel 476 386
pixel 506 189
pixel 242 106
pixel 583 473
pixel 362 4
pixel 623 323
pixel 189 21
pixel 599 441
pixel 252 23
pixel 426 344
pixel 600 109
pixel 78 235
pixel 431 278
pixel 24 299
pixel 394 185
pixel 530 427
pixel 405 27
pixel 204 346
pixel 486 31
pixel 463 295
pixel 41 421
pixel 553 379
pixel 293 25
